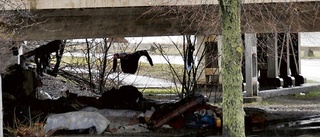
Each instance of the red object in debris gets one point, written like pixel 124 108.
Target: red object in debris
pixel 177 122
pixel 181 109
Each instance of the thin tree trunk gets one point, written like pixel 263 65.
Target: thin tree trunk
pixel 104 65
pixel 89 66
pixel 232 49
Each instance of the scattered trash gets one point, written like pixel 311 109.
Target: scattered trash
pixel 191 113
pixel 302 93
pixel 118 118
pixel 148 114
pixel 201 119
pixel 118 110
pixel 161 117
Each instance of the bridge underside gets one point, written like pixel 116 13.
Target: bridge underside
pixel 167 20
pixel 278 22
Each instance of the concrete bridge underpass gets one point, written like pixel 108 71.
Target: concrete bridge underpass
pixel 270 30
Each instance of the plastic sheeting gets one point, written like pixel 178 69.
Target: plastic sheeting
pixel 76 120
pixel 118 118
pixel 115 112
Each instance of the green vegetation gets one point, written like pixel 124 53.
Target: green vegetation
pixel 74 60
pixel 162 71
pixel 264 102
pixel 308 95
pixel 312 95
pixel 316 54
pixel 149 91
pixel 311 81
pixel 159 70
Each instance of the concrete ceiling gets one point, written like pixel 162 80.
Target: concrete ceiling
pixel 167 20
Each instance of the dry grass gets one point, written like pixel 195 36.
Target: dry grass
pixel 26 128
pixel 33 129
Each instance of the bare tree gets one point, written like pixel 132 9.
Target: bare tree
pixel 189 73
pixel 272 18
pixel 90 63
pixel 104 64
pixel 13 17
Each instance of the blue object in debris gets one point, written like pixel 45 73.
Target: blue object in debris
pixel 197 121
pixel 208 121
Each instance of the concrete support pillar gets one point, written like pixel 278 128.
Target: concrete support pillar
pixel 284 59
pixel 251 74
pixel 273 61
pixel 299 51
pixel 269 61
pixel 294 52
pixel 272 55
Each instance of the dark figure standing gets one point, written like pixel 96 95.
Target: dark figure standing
pixel 42 55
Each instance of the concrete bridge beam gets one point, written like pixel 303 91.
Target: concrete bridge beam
pixel 68 19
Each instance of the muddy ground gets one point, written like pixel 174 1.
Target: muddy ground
pixel 295 105
pixel 290 115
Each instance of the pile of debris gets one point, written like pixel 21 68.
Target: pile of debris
pixel 190 113
pixel 63 107
pixel 38 95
